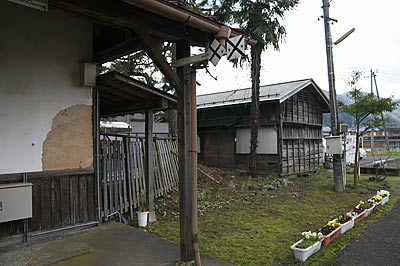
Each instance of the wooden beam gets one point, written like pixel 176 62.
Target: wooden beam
pixel 123 48
pixel 119 93
pixel 128 16
pixel 200 58
pixel 185 162
pixel 17 177
pixel 153 50
pixel 148 165
pixel 129 108
pixel 115 76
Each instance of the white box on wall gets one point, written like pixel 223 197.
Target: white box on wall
pixel 88 74
pixel 334 145
pixel 15 201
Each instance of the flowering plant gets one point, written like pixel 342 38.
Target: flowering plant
pixel 376 199
pixel 357 210
pixel 383 193
pixel 366 205
pixel 329 227
pixel 309 239
pixel 344 218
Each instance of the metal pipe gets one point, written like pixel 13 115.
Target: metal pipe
pixel 193 19
pixel 194 169
pixel 119 214
pixel 25 238
pixel 96 131
pixel 64 228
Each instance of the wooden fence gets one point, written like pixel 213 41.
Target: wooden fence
pixel 59 198
pixel 122 182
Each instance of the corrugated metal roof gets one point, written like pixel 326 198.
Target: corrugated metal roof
pixel 274 92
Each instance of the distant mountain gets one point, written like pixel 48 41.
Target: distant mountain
pixel 394 117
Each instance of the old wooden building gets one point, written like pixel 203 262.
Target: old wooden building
pixel 52 96
pixel 290 133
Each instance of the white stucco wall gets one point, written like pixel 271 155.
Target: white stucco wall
pixel 39 76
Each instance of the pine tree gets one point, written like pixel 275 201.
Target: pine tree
pixel 261 20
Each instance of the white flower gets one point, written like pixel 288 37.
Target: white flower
pixel 307 236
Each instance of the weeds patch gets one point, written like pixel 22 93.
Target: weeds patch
pixel 246 227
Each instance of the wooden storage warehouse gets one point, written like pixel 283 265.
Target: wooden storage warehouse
pixel 290 134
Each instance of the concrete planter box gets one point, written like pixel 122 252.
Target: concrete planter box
pixel 303 254
pixel 332 235
pixel 360 216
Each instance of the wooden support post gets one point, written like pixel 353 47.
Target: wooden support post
pixel 185 157
pixel 149 174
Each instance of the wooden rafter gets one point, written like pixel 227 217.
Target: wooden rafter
pixel 126 47
pixel 128 16
pixel 152 48
pixel 130 107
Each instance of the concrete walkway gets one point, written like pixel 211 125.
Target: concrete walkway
pixel 378 245
pixel 117 244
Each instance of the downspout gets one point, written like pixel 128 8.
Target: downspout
pixel 195 237
pixel 96 134
pixel 195 20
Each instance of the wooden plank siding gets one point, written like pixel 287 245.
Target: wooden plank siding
pixel 301 136
pixel 57 201
pixel 298 120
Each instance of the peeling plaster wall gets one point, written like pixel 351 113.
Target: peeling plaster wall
pixel 39 84
pixel 69 143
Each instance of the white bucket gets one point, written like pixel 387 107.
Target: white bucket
pixel 142 218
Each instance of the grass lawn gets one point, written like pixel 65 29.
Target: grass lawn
pixel 248 227
pixel 384 152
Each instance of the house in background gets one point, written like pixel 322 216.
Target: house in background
pixel 378 140
pixel 135 124
pixel 290 133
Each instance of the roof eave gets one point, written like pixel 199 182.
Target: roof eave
pixel 187 17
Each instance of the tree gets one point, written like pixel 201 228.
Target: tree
pixel 367 109
pixel 260 19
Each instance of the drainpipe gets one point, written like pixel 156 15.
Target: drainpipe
pixel 194 169
pixel 223 34
pixel 96 134
pixel 194 20
pixel 63 228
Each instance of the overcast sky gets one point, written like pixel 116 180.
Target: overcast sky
pixel 374 44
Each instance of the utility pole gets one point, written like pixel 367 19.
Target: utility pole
pixel 337 160
pixel 384 123
pixel 372 129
